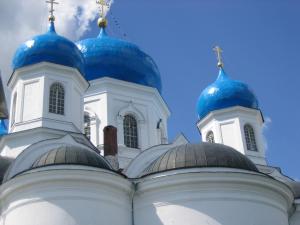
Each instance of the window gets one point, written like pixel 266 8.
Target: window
pixel 13 114
pixel 57 99
pixel 87 125
pixel 250 138
pixel 210 137
pixel 130 132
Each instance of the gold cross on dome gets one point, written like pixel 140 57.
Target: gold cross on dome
pixel 102 4
pixel 218 52
pixel 52 3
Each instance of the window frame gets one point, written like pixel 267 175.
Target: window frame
pixel 56 103
pixel 250 138
pixel 131 139
pixel 208 137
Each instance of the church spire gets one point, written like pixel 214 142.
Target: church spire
pixel 103 5
pixel 51 11
pixel 51 15
pixel 218 52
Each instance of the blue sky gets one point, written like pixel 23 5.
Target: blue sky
pixel 261 43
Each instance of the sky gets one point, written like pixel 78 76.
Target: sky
pixel 260 40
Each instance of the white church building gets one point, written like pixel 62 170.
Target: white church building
pixel 87 144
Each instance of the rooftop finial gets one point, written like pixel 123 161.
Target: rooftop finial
pixel 218 52
pixel 102 22
pixel 51 11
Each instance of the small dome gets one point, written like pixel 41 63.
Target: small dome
pixel 74 155
pixel 106 56
pixel 63 155
pixel 49 47
pixel 4 165
pixel 225 93
pixel 199 156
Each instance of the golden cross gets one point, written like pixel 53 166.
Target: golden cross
pixel 102 4
pixel 218 52
pixel 52 2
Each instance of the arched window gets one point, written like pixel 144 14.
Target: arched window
pixel 250 138
pixel 210 137
pixel 87 125
pixel 13 113
pixel 130 131
pixel 57 99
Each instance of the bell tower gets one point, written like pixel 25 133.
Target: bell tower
pixel 47 83
pixel 229 114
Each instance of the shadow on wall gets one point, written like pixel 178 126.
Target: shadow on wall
pixel 207 212
pixel 166 213
pixel 80 209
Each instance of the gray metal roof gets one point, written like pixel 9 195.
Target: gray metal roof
pixel 200 155
pixel 4 164
pixel 69 154
pixel 63 155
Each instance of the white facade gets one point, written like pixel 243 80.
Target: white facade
pixel 227 126
pixel 76 195
pixel 66 196
pixel 209 196
pixel 108 101
pixel 30 88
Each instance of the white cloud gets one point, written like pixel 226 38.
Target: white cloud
pixel 22 19
pixel 266 126
pixel 268 122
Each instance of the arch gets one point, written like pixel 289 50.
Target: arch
pixel 57 99
pixel 28 156
pixel 132 110
pixel 250 138
pixel 14 106
pixel 130 127
pixel 210 137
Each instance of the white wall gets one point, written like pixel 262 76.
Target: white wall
pixel 228 128
pixel 207 197
pixel 15 143
pixel 109 100
pixel 32 85
pixel 67 196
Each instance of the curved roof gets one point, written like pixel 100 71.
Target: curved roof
pixel 225 93
pixel 4 165
pixel 200 155
pixel 66 155
pixel 69 154
pixel 106 56
pixel 49 47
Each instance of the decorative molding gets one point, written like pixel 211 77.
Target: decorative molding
pixel 132 110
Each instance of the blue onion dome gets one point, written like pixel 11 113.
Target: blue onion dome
pixel 225 93
pixel 106 56
pixel 3 127
pixel 49 47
